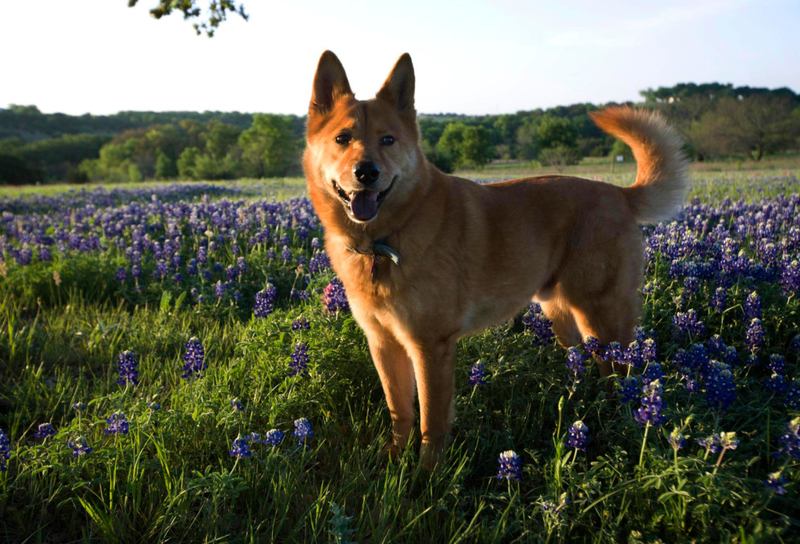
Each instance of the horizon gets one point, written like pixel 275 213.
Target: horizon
pixel 491 59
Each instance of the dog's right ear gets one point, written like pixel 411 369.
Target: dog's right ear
pixel 330 84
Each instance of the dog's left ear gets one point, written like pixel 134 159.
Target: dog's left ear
pixel 399 86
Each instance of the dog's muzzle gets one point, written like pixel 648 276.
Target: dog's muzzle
pixel 362 205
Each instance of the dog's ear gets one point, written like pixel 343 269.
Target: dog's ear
pixel 399 86
pixel 330 84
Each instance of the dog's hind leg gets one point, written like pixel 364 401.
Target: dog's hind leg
pixel 558 310
pixel 397 377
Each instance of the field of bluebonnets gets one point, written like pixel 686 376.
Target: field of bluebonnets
pixel 178 363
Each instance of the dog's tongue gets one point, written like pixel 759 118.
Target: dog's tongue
pixel 364 204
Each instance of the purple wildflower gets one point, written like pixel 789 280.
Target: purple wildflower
pixel 652 373
pixel 286 254
pixel 237 405
pixel 711 443
pixel 5 450
pixel 301 324
pixel 273 437
pixel 122 274
pixel 334 297
pixel 535 321
pixel 578 436
pixel 79 446
pixel 117 424
pixel 687 324
pixel 629 390
pixel 45 430
pixel 719 300
pixel 128 368
pixel 776 482
pixel 319 262
pixel 477 376
pixel 752 307
pixel 755 336
pixel 194 359
pixel 591 345
pixel 720 387
pixel 575 362
pixel 510 466
pixel 299 364
pixel 790 440
pixel 676 439
pixel 265 301
pixel 302 431
pixel 240 449
pixel 652 404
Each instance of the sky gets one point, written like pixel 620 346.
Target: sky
pixel 471 57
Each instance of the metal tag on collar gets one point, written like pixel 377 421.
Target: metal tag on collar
pixel 385 251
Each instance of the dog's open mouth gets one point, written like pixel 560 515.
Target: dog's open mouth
pixel 362 205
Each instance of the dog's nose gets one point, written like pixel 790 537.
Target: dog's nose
pixel 367 172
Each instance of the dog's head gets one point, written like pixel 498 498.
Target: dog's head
pixel 361 154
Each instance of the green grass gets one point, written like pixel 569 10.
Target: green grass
pixel 171 478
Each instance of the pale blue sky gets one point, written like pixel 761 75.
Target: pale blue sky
pixel 99 56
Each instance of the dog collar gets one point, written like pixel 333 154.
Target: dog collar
pixel 378 250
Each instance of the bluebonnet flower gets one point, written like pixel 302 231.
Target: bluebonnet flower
pixel 154 406
pixel 219 289
pixel 128 368
pixel 230 273
pixel 122 274
pixel 79 446
pixel 776 482
pixel 177 278
pixel 299 294
pixel 271 254
pixel 796 344
pixel 5 450
pixel 752 307
pixel 792 397
pixel 719 300
pixel 728 441
pixel 315 243
pixel 136 271
pixel 334 297
pixel 690 286
pixel 117 424
pixel 652 404
pixel 676 439
pixel 301 324
pixel 240 449
pixel 237 405
pixel 194 359
pixel 629 390
pixel 649 350
pixel 612 353
pixel 591 346
pixel 477 376
pixel 687 324
pixel 319 262
pixel 302 431
pixel 790 277
pixel 253 438
pixel 633 355
pixel 45 430
pixel 652 373
pixel 575 362
pixel 299 364
pixel 286 254
pixel 777 383
pixel 510 466
pixel 711 443
pixel 285 240
pixel 265 301
pixel 535 321
pixel 755 336
pixel 790 440
pixel 44 254
pixel 777 364
pixel 241 266
pixel 578 436
pixel 273 437
pixel 720 387
pixel 78 406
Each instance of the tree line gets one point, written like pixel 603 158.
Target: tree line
pixel 718 120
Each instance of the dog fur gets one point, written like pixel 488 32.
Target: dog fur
pixel 473 255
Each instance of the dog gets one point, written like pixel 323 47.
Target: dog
pixel 427 258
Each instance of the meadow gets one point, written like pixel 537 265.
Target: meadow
pixel 178 363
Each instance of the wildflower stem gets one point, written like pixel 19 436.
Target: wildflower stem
pixel 644 443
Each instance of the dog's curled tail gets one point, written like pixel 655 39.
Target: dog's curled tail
pixel 662 167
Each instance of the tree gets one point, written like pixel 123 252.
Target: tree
pixel 187 163
pixel 217 12
pixel 269 147
pixel 749 126
pixel 560 156
pixel 466 145
pixel 165 167
pixel 221 138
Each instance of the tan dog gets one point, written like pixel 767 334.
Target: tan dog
pixel 472 255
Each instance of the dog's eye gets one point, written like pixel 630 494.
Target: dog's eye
pixel 387 140
pixel 342 139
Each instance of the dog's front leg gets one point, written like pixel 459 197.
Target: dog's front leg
pixel 397 377
pixel 434 369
